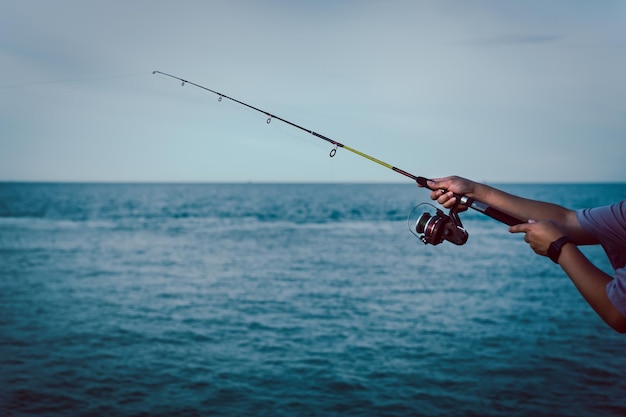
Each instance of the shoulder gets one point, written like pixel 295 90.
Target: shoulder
pixel 606 223
pixel 611 215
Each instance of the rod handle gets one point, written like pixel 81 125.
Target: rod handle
pixel 489 211
pixel 502 217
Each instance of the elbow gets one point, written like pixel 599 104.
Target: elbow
pixel 617 323
pixel 619 328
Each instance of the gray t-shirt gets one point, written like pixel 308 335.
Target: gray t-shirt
pixel 608 225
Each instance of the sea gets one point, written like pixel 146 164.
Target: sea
pixel 289 300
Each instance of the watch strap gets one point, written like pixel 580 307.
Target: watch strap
pixel 554 250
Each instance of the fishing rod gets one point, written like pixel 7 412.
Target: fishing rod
pixel 434 228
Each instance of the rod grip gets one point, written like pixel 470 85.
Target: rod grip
pixel 502 217
pixel 489 211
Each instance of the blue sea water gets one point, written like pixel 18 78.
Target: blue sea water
pixel 289 300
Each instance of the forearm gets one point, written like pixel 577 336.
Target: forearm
pixel 445 190
pixel 522 208
pixel 591 282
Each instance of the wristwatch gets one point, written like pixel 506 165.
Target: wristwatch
pixel 554 250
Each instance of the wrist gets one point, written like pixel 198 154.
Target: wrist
pixel 478 191
pixel 556 247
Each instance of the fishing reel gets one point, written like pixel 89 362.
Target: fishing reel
pixel 435 228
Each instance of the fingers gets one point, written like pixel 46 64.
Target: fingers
pixel 527 229
pixel 538 234
pixel 521 228
pixel 435 183
pixel 446 199
pixel 438 192
pixel 439 183
pixel 443 190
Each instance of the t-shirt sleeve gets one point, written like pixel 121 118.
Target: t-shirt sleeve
pixel 616 291
pixel 608 225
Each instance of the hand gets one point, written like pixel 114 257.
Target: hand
pixel 445 188
pixel 539 235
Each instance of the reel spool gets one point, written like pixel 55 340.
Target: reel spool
pixel 433 226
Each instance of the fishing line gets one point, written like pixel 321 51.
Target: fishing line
pixel 435 228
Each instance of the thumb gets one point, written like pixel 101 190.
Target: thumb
pixel 437 184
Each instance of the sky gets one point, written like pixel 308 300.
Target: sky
pixel 496 91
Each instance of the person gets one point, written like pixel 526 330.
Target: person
pixel 555 231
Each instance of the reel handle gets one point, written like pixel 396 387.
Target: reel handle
pixel 478 206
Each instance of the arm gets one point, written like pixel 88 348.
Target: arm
pixel 522 208
pixel 590 281
pixel 546 223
